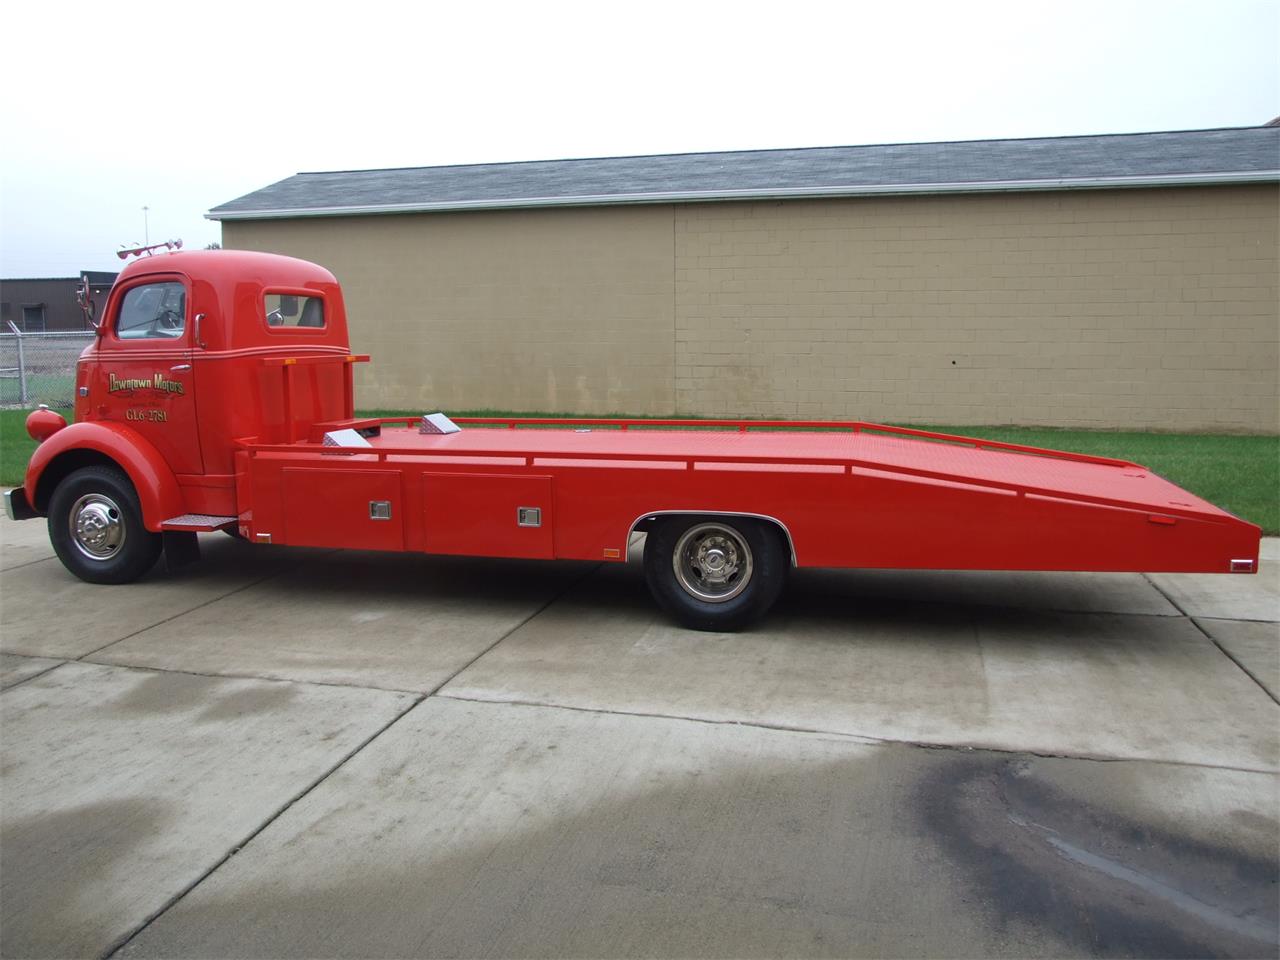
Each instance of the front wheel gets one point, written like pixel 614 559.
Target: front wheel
pixel 714 573
pixel 95 525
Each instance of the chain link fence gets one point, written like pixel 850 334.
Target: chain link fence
pixel 40 367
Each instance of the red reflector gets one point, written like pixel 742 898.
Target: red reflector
pixel 1242 566
pixel 1164 521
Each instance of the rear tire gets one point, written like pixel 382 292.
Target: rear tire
pixel 95 526
pixel 715 573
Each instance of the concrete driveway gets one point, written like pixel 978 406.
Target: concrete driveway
pixel 302 753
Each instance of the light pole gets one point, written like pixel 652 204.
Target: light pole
pixel 146 229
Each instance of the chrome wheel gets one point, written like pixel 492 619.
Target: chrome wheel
pixel 712 562
pixel 97 527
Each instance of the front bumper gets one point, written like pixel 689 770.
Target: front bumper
pixel 16 506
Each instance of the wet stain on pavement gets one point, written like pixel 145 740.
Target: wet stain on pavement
pixel 895 851
pixel 259 698
pixel 1105 885
pixel 166 693
pixel 216 698
pixel 56 864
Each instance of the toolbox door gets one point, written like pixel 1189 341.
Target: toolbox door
pixel 488 515
pixel 353 509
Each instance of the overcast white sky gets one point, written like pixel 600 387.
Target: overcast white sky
pixel 180 107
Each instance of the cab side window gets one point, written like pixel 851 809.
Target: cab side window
pixel 154 310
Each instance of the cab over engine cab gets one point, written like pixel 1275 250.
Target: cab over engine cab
pixel 187 362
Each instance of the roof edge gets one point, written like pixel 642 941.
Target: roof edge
pixel 781 193
pixel 876 145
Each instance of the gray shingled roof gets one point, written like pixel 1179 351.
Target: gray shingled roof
pixel 1248 154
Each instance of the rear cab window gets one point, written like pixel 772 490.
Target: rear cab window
pixel 293 311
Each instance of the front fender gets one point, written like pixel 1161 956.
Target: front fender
pixel 158 491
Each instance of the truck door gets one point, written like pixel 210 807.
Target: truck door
pixel 144 377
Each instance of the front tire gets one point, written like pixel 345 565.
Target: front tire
pixel 715 573
pixel 95 526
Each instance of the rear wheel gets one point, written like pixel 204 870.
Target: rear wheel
pixel 95 526
pixel 715 573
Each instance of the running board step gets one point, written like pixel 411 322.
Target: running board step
pixel 198 523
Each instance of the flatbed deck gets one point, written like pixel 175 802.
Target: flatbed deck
pixel 846 494
pixel 752 446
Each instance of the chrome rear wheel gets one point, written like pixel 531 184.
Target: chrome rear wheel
pixel 715 572
pixel 712 562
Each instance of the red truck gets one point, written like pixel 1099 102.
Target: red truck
pixel 205 402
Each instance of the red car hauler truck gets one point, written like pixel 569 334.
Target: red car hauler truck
pixel 220 382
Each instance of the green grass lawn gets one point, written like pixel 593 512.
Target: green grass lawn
pixel 15 446
pixel 1239 474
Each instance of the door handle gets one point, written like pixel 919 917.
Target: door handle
pixel 179 367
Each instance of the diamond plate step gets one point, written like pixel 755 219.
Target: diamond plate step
pixel 197 523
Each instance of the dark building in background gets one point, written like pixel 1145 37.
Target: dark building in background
pixel 49 304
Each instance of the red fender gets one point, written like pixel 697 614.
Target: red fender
pixel 157 489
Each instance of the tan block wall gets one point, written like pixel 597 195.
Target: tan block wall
pixel 1138 308
pixel 555 310
pixel 1132 308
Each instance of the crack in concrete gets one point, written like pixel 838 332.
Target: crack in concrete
pixel 199 606
pixel 124 941
pixel 557 596
pixel 1212 639
pixel 18 683
pixel 864 738
pixel 1239 620
pixel 29 563
pixel 248 676
pixel 325 683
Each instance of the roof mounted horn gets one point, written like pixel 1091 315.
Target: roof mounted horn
pixel 125 252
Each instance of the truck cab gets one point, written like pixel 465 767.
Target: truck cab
pixel 182 358
pixel 195 351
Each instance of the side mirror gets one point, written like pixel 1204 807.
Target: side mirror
pixel 84 297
